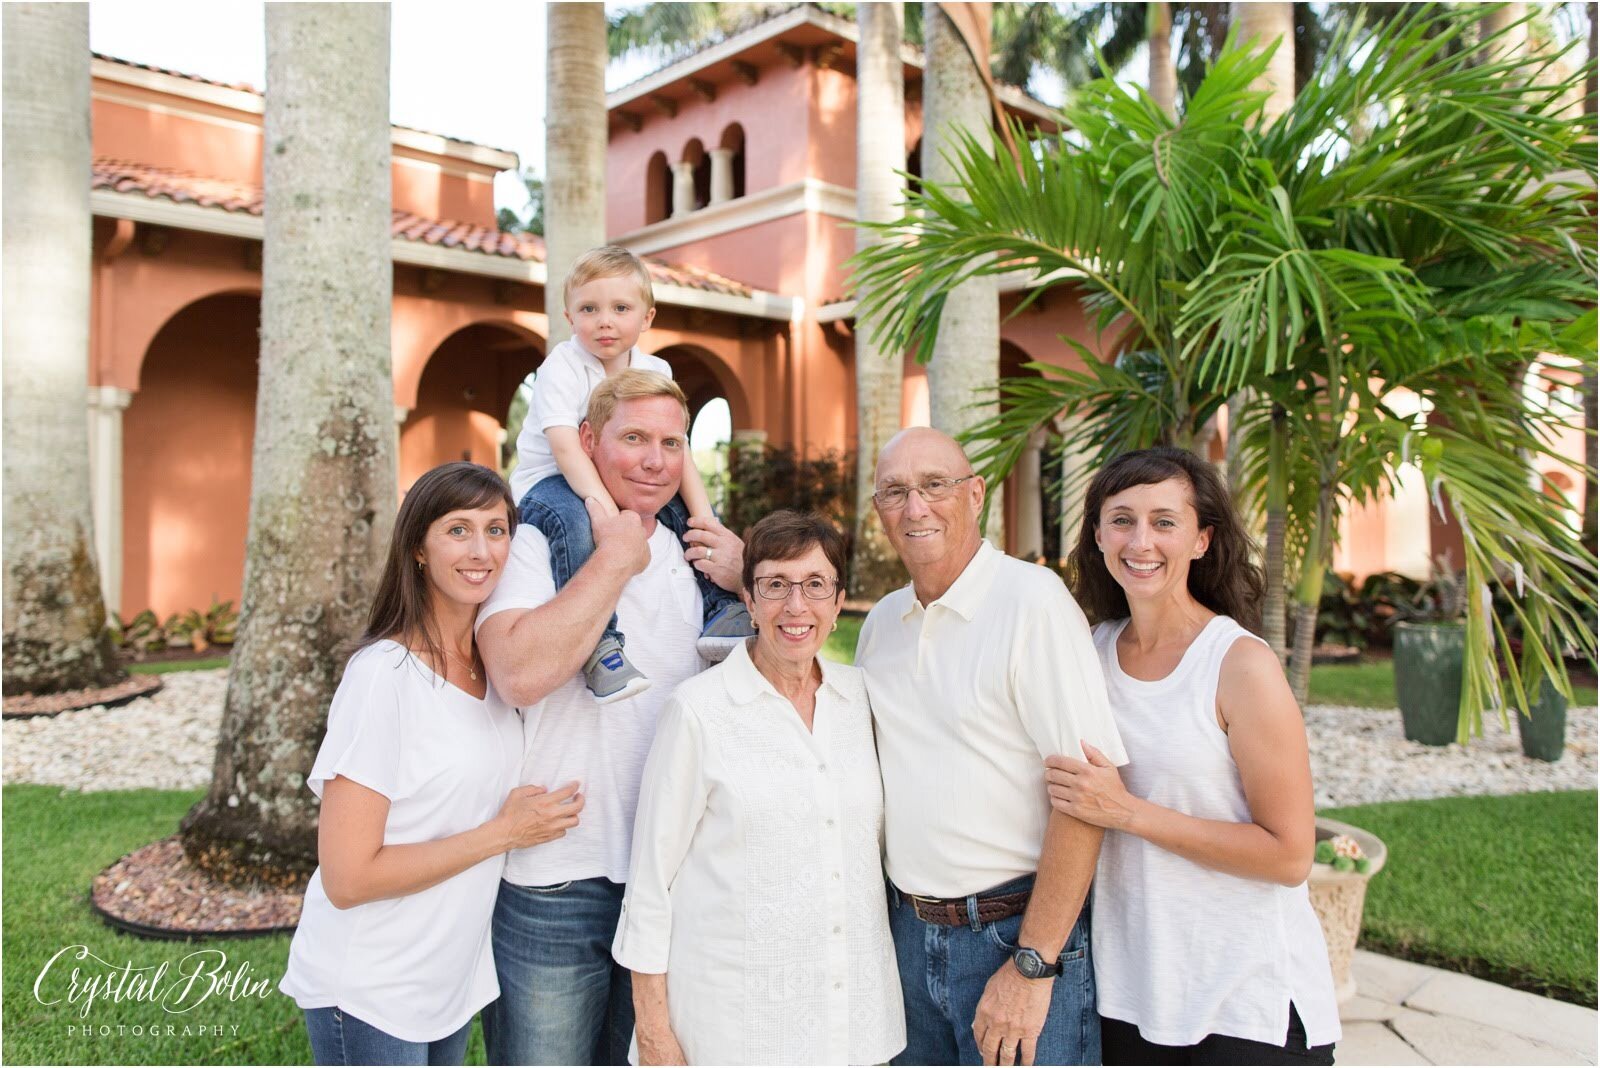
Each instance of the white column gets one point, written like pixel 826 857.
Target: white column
pixel 721 175
pixel 1030 519
pixel 401 414
pixel 106 405
pixel 682 187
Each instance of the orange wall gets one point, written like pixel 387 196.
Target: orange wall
pixel 186 460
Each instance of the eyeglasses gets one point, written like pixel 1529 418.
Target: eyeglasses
pixel 935 489
pixel 815 588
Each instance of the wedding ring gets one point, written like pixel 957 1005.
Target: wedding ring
pixel 708 554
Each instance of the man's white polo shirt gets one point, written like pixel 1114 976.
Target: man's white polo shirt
pixel 969 695
pixel 568 737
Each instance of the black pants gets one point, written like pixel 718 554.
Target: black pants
pixel 1120 1043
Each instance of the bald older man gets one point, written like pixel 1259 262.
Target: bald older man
pixel 977 671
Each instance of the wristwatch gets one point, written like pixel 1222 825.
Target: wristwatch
pixel 1032 965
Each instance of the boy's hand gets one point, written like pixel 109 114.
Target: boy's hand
pixel 621 537
pixel 716 552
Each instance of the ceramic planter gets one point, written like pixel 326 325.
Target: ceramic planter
pixel 1544 729
pixel 1427 679
pixel 1338 898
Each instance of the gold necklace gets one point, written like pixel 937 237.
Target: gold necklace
pixel 470 665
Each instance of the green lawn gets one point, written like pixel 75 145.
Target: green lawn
pixel 1499 887
pixel 166 667
pixel 55 842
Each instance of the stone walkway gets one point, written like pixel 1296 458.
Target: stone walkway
pixel 1406 1013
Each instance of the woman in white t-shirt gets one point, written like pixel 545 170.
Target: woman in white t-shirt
pixel 418 780
pixel 1206 949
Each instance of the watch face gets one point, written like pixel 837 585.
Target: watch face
pixel 1029 963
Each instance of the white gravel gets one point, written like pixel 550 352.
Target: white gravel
pixel 1357 754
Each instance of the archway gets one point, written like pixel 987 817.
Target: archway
pixel 657 188
pixel 186 452
pixel 1032 510
pixel 464 396
pixel 694 153
pixel 733 139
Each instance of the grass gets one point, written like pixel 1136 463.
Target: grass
pixel 55 842
pixel 1498 887
pixel 167 667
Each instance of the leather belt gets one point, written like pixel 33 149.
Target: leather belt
pixel 952 912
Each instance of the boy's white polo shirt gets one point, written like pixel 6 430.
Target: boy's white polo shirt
pixel 568 737
pixel 560 397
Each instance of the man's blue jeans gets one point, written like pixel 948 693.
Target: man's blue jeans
pixel 339 1038
pixel 561 516
pixel 943 971
pixel 563 1000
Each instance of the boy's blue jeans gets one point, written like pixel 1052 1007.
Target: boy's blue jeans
pixel 943 971
pixel 561 516
pixel 339 1038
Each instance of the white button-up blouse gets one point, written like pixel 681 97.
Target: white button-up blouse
pixel 756 883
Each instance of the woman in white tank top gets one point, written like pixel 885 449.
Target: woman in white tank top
pixel 1206 949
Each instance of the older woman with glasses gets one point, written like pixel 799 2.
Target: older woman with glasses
pixel 755 922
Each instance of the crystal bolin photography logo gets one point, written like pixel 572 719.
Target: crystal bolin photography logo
pixel 176 988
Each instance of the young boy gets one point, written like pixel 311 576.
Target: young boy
pixel 609 303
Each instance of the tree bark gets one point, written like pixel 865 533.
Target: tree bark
pixel 323 478
pixel 55 615
pixel 964 373
pixel 1266 23
pixel 1163 74
pixel 1273 613
pixel 880 189
pixel 574 147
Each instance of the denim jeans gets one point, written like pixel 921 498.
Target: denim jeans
pixel 339 1038
pixel 561 516
pixel 943 971
pixel 563 1000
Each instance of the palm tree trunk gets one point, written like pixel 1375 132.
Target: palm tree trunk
pixel 1273 613
pixel 1163 74
pixel 964 373
pixel 880 157
pixel 1265 23
pixel 323 481
pixel 574 146
pixel 1308 594
pixel 55 614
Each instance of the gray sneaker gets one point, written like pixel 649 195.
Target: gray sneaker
pixel 724 631
pixel 609 676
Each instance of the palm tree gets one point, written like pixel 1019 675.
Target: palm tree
pixel 55 617
pixel 1433 247
pixel 964 364
pixel 323 481
pixel 1163 76
pixel 880 186
pixel 574 146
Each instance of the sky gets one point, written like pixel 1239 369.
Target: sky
pixel 472 69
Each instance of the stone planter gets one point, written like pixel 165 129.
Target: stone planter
pixel 1544 730
pixel 1427 679
pixel 1338 897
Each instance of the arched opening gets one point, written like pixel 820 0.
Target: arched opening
pixel 914 168
pixel 657 189
pixel 717 406
pixel 695 153
pixel 465 394
pixel 1032 510
pixel 186 449
pixel 709 434
pixel 733 138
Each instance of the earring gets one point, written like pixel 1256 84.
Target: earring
pixel 419 565
pixel 834 627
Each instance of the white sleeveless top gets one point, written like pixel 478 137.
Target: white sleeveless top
pixel 1182 951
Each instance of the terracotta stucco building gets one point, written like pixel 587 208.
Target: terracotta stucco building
pixel 731 171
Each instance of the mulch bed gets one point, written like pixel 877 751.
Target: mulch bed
pixel 155 892
pixel 53 704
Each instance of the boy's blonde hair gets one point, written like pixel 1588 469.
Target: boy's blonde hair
pixel 607 261
pixel 631 385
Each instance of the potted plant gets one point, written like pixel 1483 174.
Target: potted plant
pixel 1542 726
pixel 1347 857
pixel 1429 645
